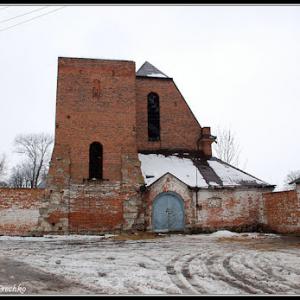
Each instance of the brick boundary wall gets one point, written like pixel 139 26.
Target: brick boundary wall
pixel 282 212
pixel 19 210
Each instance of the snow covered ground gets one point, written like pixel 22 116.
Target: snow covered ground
pixel 218 263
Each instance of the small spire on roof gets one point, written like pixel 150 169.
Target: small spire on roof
pixel 149 70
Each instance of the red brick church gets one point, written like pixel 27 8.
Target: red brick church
pixel 130 154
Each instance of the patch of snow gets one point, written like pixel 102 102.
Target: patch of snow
pixel 157 165
pixel 245 235
pixel 47 238
pixel 231 176
pixel 156 75
pixel 224 233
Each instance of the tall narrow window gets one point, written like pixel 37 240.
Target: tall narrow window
pixel 153 117
pixel 96 161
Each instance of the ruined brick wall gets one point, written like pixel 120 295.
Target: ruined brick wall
pixel 179 127
pixel 95 102
pixel 233 209
pixel 93 208
pixel 19 210
pixel 98 209
pixel 282 211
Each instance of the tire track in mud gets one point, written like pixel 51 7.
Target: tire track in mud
pixel 237 276
pixel 230 280
pixel 185 270
pixel 164 289
pixel 263 271
pixel 269 271
pixel 175 276
pixel 192 285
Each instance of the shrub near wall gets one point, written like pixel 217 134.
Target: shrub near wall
pixel 19 210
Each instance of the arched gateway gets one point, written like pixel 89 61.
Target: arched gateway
pixel 168 213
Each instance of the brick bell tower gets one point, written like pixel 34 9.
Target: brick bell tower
pixel 94 177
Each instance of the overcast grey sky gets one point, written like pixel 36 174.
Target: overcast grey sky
pixel 237 66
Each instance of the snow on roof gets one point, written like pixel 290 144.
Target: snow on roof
pixel 154 166
pixel 156 75
pixel 232 176
pixel 148 70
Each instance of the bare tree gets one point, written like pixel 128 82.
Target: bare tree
pixel 3 184
pixel 227 147
pixel 3 168
pixel 2 165
pixel 36 149
pixel 291 176
pixel 21 176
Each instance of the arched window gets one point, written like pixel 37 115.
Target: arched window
pixel 96 161
pixel 153 117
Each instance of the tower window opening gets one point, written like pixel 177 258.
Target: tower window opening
pixel 153 117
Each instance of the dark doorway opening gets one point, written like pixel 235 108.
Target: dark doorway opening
pixel 96 161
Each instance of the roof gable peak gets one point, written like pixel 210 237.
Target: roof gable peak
pixel 148 70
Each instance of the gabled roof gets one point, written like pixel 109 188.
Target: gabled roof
pixel 155 166
pixel 195 171
pixel 148 70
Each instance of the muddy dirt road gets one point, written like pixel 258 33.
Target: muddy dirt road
pixel 221 263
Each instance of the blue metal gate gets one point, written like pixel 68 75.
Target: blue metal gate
pixel 168 213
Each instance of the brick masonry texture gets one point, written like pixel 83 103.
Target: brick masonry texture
pixel 95 102
pixel 179 127
pixel 282 211
pixel 19 210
